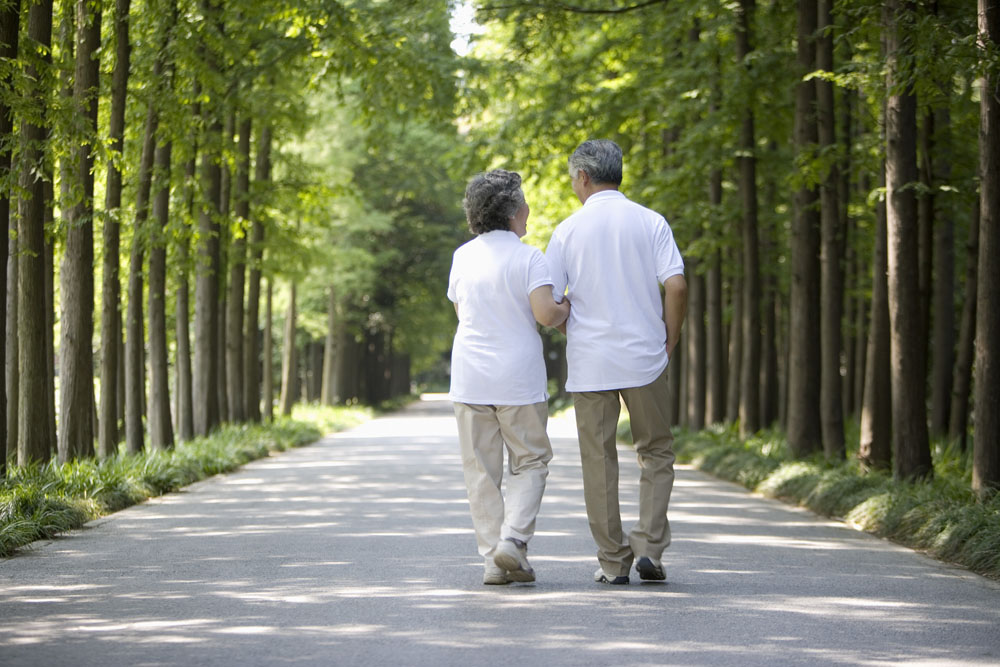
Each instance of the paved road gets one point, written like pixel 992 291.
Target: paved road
pixel 358 550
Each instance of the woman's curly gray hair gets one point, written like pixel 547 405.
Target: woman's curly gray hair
pixel 492 199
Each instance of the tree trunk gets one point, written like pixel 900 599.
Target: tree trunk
pixel 225 242
pixel 12 365
pixel 184 373
pixel 958 421
pixel 715 399
pixel 76 367
pixel 911 448
pixel 268 389
pixel 695 344
pixel 288 358
pixel 831 253
pixel 10 16
pixel 925 217
pixel 135 382
pixel 986 445
pixel 875 445
pixel 804 430
pixel 205 391
pixel 237 278
pixel 34 430
pixel 107 437
pixel 735 356
pixel 347 366
pixel 161 434
pixel 944 286
pixel 314 372
pixel 251 342
pixel 50 315
pixel 328 393
pixel 749 369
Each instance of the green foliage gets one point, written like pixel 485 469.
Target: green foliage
pixel 941 516
pixel 40 501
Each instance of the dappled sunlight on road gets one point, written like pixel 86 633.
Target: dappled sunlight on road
pixel 360 550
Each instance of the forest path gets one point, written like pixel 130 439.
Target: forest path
pixel 358 550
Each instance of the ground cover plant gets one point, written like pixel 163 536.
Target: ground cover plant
pixel 940 516
pixel 39 501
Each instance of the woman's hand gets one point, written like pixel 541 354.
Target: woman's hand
pixel 545 309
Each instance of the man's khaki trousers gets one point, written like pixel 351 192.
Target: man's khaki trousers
pixel 484 431
pixel 597 422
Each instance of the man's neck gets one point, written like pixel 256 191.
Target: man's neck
pixel 594 189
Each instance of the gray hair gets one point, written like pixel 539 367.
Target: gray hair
pixel 600 158
pixel 492 199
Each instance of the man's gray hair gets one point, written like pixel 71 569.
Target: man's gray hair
pixel 600 158
pixel 492 199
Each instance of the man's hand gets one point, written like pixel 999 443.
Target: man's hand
pixel 674 309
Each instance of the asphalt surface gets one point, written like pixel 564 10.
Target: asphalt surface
pixel 358 550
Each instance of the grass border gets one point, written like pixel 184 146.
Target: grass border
pixel 940 517
pixel 40 501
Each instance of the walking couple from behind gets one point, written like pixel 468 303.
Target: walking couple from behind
pixel 599 282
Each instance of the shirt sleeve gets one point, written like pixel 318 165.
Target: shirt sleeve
pixel 668 256
pixel 557 268
pixel 453 281
pixel 538 271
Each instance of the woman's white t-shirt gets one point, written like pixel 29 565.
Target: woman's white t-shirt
pixel 497 355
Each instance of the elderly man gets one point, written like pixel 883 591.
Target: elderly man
pixel 610 258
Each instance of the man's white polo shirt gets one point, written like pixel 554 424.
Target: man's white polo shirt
pixel 497 355
pixel 609 258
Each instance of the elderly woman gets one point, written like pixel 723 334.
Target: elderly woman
pixel 500 287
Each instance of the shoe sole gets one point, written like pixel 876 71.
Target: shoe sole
pixel 617 581
pixel 649 572
pixel 496 581
pixel 511 563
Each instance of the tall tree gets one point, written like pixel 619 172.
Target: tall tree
pixel 34 430
pixel 804 431
pixel 911 446
pixel 111 286
pixel 251 344
pixel 205 391
pixel 986 445
pixel 10 18
pixel 832 249
pixel 76 357
pixel 749 377
pixel 875 448
pixel 237 278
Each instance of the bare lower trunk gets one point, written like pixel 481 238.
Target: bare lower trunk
pixel 288 358
pixel 161 434
pixel 237 278
pixel 986 446
pixel 875 447
pixel 696 370
pixel 911 447
pixel 251 341
pixel 735 357
pixel 958 421
pixel 804 363
pixel 268 389
pixel 327 393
